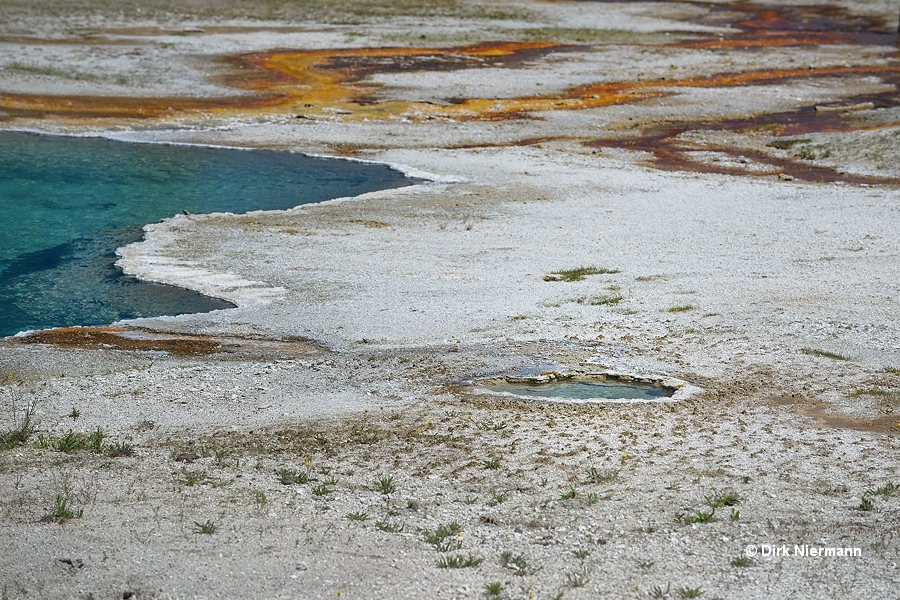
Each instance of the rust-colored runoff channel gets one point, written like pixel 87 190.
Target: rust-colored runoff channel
pixel 670 153
pixel 137 339
pixel 818 413
pixel 757 25
pixel 335 84
pixel 764 25
pixel 123 338
pixel 90 109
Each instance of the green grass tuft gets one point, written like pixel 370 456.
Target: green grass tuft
pixel 787 144
pixel 682 308
pixel 61 512
pixel 444 538
pixel 887 490
pixel 824 354
pixel 207 528
pixel 91 442
pixel 22 428
pixel 697 517
pixel 389 526
pixel 723 499
pixel 579 578
pixel 385 485
pixel 493 589
pixel 457 561
pixel 741 561
pixel 192 478
pixel 119 449
pixel 578 274
pixel 605 476
pixel 323 489
pixel 500 497
pixel 291 477
pixel 517 563
pixel 599 300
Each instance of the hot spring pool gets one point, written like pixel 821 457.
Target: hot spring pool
pixel 69 202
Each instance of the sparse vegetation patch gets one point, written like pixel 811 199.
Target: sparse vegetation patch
pixel 445 537
pixel 578 273
pixel 682 308
pixel 602 300
pixel 787 144
pixel 824 354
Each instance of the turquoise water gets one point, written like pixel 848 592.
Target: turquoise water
pixel 69 202
pixel 586 390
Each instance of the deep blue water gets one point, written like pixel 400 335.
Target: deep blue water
pixel 69 202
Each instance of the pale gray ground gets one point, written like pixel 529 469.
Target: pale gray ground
pixel 789 323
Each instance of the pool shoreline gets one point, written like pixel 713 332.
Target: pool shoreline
pixel 116 191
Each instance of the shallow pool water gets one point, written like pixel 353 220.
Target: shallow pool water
pixel 586 390
pixel 69 202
